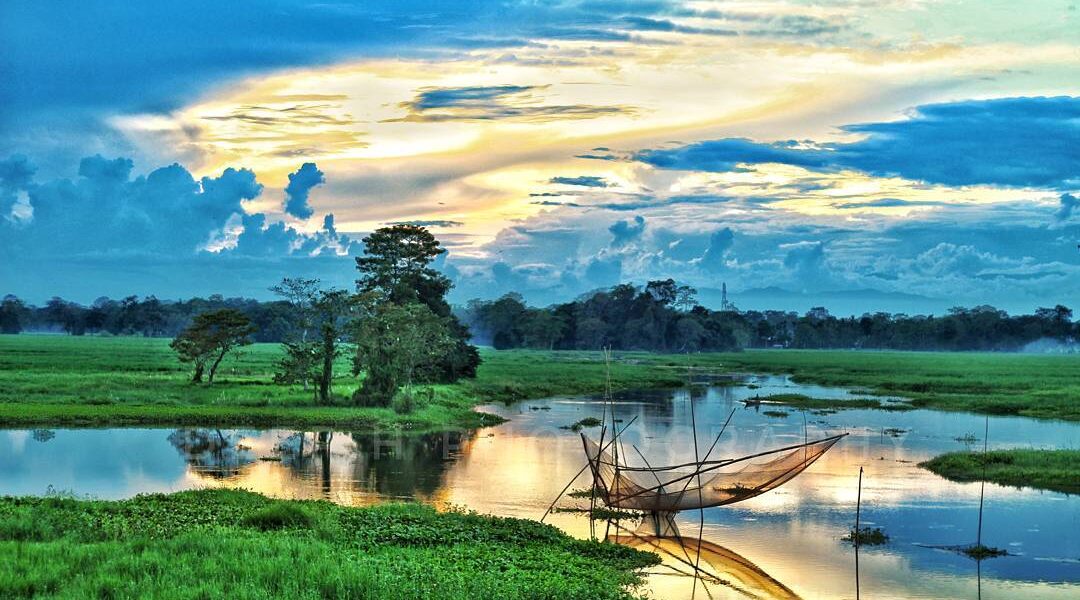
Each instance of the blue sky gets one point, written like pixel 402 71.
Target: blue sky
pixel 913 153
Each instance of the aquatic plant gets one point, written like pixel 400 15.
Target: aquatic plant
pixel 866 536
pixel 583 423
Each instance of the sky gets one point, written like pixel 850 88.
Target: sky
pixel 896 155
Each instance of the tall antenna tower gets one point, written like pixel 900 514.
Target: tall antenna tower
pixel 724 304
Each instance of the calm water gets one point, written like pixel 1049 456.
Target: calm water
pixel 783 544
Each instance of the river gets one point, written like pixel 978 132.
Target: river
pixel 785 543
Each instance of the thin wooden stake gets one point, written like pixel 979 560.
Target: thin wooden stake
pixel 858 508
pixel 982 487
pixel 855 537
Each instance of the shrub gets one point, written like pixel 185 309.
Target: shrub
pixel 279 515
pixel 408 400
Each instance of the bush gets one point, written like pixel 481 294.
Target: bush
pixel 279 515
pixel 408 400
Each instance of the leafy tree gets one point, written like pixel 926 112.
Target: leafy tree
pixel 396 267
pixel 210 338
pixel 685 297
pixel 397 264
pixel 13 313
pixel 327 313
pixel 396 345
pixel 663 291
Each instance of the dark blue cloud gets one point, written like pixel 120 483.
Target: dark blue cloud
pixel 583 181
pixel 430 223
pixel 1012 142
pixel 496 102
pixel 715 255
pixel 1068 205
pixel 299 188
pixel 624 232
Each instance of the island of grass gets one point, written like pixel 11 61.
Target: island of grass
pixel 1054 470
pixel 233 544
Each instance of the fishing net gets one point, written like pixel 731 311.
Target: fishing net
pixel 701 484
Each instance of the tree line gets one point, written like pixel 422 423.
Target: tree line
pixel 664 316
pixel 659 316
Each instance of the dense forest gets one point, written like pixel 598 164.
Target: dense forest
pixel 660 316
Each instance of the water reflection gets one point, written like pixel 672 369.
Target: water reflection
pixel 517 468
pixel 211 452
pixel 693 563
pixel 343 467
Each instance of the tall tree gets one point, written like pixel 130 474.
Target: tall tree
pixel 210 338
pixel 396 266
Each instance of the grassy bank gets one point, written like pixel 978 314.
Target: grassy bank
pixel 98 381
pixel 1040 386
pixel 1055 470
pixel 232 544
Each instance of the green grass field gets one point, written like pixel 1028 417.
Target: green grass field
pixel 99 381
pixel 1057 470
pixel 1040 386
pixel 233 544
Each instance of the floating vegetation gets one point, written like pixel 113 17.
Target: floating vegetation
pixel 979 552
pixel 967 438
pixel 866 536
pixel 894 431
pixel 270 458
pixel 583 423
pixel 583 493
pixel 804 401
pixel 775 413
pixel 602 513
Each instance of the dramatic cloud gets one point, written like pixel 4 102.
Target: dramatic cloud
pixel 300 184
pixel 109 232
pixel 1015 142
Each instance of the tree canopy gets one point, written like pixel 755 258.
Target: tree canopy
pixel 210 338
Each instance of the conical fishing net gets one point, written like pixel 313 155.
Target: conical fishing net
pixel 697 485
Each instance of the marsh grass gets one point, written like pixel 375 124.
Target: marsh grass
pixel 980 552
pixel 122 381
pixel 232 544
pixel 1055 470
